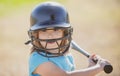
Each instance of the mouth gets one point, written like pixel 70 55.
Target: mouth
pixel 51 42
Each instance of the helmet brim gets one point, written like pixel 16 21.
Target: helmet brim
pixel 37 26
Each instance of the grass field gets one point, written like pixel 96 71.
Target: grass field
pixel 96 29
pixel 12 5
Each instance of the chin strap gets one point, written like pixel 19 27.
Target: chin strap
pixel 50 55
pixel 28 42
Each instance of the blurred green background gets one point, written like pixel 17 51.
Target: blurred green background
pixel 96 26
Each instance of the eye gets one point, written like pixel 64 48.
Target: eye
pixel 43 30
pixel 56 29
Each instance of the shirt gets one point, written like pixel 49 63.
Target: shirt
pixel 65 62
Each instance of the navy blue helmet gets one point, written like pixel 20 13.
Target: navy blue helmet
pixel 50 15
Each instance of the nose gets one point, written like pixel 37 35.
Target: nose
pixel 50 34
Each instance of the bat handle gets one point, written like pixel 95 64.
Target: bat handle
pixel 107 68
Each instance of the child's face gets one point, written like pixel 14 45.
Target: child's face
pixel 51 34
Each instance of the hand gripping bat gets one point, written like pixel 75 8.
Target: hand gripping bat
pixel 107 68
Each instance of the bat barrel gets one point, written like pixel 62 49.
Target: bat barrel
pixel 77 48
pixel 107 69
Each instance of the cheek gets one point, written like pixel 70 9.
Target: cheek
pixel 59 42
pixel 42 36
pixel 43 43
pixel 59 35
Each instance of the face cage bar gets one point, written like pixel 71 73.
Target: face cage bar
pixel 48 54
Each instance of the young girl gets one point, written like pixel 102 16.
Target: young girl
pixel 50 35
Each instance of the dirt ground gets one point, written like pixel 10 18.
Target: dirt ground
pixel 96 29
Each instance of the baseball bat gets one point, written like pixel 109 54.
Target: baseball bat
pixel 107 68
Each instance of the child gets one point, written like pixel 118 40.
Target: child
pixel 50 34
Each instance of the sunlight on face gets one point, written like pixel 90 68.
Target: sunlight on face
pixel 51 34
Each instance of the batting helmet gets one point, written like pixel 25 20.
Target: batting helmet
pixel 50 15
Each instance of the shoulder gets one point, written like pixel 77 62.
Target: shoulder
pixel 49 69
pixel 35 60
pixel 44 66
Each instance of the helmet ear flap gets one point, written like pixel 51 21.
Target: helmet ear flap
pixel 29 34
pixel 71 30
pixel 32 34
